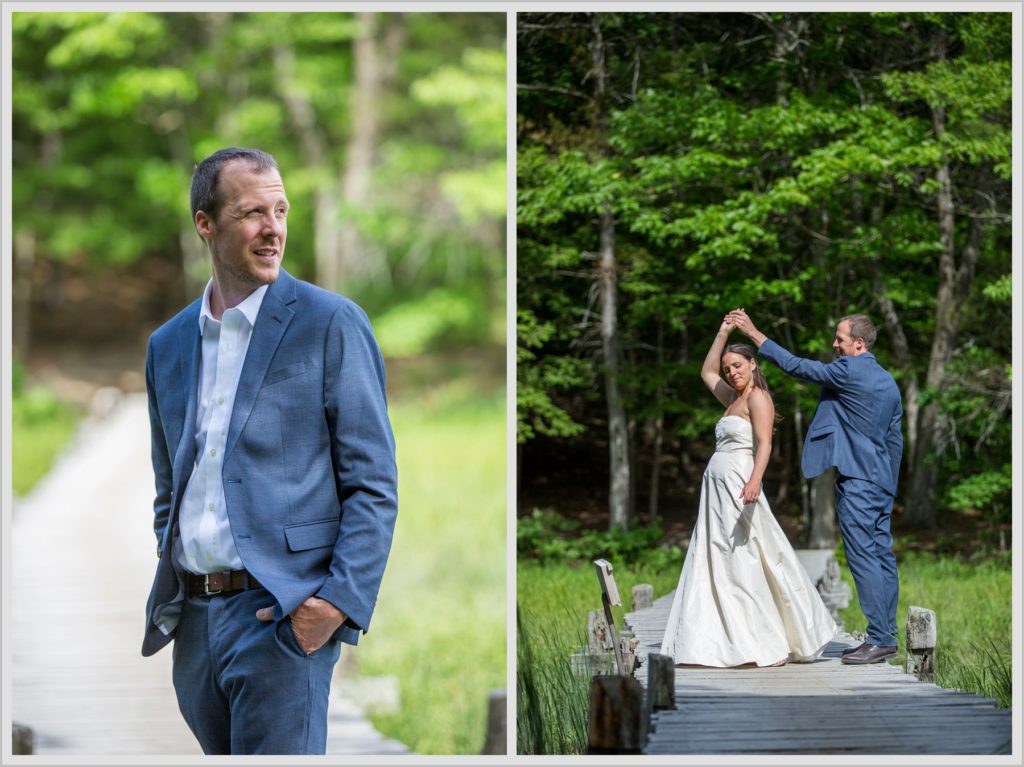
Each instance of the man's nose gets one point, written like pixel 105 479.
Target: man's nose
pixel 272 226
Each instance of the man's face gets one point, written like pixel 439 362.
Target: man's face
pixel 247 238
pixel 845 345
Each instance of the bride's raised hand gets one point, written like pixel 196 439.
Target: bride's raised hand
pixel 727 325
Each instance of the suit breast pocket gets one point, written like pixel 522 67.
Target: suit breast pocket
pixel 283 374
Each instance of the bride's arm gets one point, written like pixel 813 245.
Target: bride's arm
pixel 713 363
pixel 762 415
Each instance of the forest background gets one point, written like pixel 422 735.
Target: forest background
pixel 389 129
pixel 805 166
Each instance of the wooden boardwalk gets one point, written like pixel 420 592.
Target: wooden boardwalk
pixel 83 555
pixel 813 708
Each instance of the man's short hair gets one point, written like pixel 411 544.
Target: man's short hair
pixel 861 327
pixel 207 174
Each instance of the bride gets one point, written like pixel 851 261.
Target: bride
pixel 743 596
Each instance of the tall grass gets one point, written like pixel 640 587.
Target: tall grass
pixel 552 705
pixel 553 602
pixel 439 625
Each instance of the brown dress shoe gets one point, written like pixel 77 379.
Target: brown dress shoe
pixel 849 650
pixel 869 653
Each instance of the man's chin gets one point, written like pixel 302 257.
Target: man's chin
pixel 267 275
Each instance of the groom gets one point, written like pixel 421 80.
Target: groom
pixel 857 429
pixel 275 477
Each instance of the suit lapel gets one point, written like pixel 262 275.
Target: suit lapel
pixel 188 364
pixel 271 323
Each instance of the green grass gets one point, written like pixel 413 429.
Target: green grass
pixel 553 601
pixel 41 427
pixel 973 616
pixel 439 625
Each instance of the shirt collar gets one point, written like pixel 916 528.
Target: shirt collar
pixel 249 308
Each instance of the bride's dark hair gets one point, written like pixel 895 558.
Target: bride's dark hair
pixel 746 351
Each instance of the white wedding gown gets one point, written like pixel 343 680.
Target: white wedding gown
pixel 743 596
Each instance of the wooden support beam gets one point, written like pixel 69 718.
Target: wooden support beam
pixel 22 739
pixel 616 723
pixel 921 635
pixel 495 739
pixel 643 596
pixel 661 682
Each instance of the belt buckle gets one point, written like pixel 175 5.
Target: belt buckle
pixel 206 585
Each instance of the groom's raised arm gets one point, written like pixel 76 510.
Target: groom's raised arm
pixel 832 374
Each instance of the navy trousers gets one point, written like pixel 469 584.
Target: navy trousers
pixel 245 686
pixel 864 510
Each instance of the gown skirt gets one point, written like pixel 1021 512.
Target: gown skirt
pixel 743 596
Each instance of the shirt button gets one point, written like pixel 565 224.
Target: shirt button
pixel 213 451
pixel 220 400
pixel 212 506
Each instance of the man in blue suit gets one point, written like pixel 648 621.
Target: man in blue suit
pixel 856 429
pixel 276 486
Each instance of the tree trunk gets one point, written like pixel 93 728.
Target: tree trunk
pixel 315 154
pixel 953 286
pixel 657 427
pixel 372 74
pixel 618 435
pixel 798 433
pixel 21 295
pixel 823 511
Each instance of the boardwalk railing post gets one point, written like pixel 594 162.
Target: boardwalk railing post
pixel 22 740
pixel 616 723
pixel 661 682
pixel 921 634
pixel 643 596
pixel 609 597
pixel 494 742
pixel 597 632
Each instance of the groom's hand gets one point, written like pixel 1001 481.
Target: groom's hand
pixel 743 323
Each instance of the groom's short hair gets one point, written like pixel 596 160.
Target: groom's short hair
pixel 861 327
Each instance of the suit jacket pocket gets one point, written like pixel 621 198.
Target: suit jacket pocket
pixel 281 374
pixel 818 436
pixel 312 535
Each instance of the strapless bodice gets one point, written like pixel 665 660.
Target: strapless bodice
pixel 734 434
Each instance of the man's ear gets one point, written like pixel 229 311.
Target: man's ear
pixel 204 224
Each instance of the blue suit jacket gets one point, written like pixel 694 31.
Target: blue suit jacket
pixel 858 424
pixel 310 481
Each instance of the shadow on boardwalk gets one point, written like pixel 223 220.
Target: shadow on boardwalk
pixel 814 708
pixel 83 555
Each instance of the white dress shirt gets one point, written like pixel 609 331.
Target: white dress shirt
pixel 205 544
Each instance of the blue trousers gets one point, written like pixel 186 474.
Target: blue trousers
pixel 244 685
pixel 864 510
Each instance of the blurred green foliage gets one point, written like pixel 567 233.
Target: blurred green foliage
pixel 801 185
pixel 439 624
pixel 41 427
pixel 112 110
pixel 550 537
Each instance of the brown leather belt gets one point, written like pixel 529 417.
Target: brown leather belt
pixel 226 582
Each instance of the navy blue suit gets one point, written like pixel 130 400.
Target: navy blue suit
pixel 857 428
pixel 310 482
